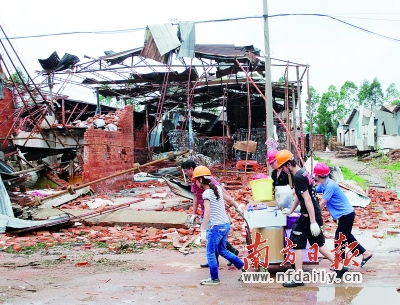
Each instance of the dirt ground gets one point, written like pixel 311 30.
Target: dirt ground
pixel 373 175
pixel 74 274
pixel 162 276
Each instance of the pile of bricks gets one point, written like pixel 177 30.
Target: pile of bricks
pixel 394 154
pixel 384 208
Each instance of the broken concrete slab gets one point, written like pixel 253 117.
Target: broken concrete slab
pixel 127 216
pixel 64 198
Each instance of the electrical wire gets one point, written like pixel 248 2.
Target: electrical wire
pixel 219 20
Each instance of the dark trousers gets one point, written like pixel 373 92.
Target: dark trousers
pixel 345 225
pixel 230 248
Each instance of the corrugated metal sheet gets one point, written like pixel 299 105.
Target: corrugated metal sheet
pixel 150 49
pixel 165 37
pixel 187 35
pixel 116 58
pixel 50 63
pixel 224 52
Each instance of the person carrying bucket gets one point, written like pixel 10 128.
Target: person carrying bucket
pixel 188 167
pixel 339 207
pixel 278 175
pixel 282 182
pixel 308 226
pixel 216 224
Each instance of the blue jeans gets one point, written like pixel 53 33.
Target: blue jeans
pixel 216 241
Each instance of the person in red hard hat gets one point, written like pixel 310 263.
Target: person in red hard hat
pixel 308 226
pixel 339 207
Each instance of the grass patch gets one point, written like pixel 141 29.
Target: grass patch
pixel 27 250
pixel 385 163
pixel 349 175
pixel 395 166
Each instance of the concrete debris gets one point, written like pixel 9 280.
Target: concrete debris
pixel 394 154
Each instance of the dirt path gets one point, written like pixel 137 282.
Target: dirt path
pixel 161 276
pixel 373 175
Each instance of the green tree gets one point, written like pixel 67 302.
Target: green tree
pixel 314 101
pixel 19 77
pixel 348 97
pixel 392 93
pixel 329 111
pixel 371 94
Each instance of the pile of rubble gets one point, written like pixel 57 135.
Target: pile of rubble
pixel 345 152
pixel 394 154
pixel 107 121
pixel 383 209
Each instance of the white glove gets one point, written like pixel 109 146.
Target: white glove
pixel 286 211
pixel 192 219
pixel 203 236
pixel 315 229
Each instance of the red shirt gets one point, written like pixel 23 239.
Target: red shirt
pixel 198 192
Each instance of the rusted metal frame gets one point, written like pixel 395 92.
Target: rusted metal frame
pixel 287 104
pixel 189 103
pixel 142 66
pixel 62 87
pixel 87 64
pixel 63 112
pixel 73 110
pixel 25 85
pixel 82 112
pixel 310 109
pixel 288 62
pixel 302 139
pixel 248 120
pixel 204 68
pixel 275 113
pixel 73 82
pixel 35 138
pixel 115 72
pixel 148 65
pixel 28 108
pixel 294 114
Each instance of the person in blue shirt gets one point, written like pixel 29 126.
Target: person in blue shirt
pixel 339 207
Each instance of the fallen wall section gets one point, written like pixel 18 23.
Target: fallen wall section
pixel 6 116
pixel 108 152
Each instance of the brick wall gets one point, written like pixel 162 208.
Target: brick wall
pixel 141 151
pixel 6 115
pixel 109 152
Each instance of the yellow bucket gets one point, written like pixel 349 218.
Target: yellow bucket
pixel 261 189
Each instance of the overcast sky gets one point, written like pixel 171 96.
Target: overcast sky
pixel 335 52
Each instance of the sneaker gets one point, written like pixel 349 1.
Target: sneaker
pixel 339 273
pixel 210 282
pixel 292 284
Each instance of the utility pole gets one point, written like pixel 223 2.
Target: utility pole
pixel 269 120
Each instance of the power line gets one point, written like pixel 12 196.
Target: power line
pixel 217 20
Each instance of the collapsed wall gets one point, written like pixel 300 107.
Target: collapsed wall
pixel 6 115
pixel 107 152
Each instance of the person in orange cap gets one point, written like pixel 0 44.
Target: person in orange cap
pixel 188 167
pixel 216 224
pixel 308 226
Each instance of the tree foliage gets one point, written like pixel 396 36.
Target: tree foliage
pixel 332 106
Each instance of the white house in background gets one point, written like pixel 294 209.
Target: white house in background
pixel 371 129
